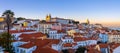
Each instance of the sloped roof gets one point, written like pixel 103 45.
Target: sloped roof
pixel 20 31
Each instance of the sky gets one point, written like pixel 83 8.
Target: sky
pixel 106 12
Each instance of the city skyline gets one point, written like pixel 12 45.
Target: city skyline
pixel 97 11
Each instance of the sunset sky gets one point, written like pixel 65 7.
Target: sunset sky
pixel 106 12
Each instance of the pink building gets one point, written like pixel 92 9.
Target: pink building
pixel 57 27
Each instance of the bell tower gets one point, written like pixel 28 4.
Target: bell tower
pixel 87 21
pixel 48 18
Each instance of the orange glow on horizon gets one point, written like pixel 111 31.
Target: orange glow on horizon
pixel 105 23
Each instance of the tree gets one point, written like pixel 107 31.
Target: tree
pixel 43 21
pixel 8 14
pixel 76 22
pixel 80 50
pixel 20 18
pixel 65 51
pixel 4 42
pixel 99 42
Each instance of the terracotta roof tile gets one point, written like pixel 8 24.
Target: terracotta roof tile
pixel 20 31
pixel 61 31
pixel 28 45
pixel 103 45
pixel 67 45
pixel 77 39
pixel 45 50
pixel 92 50
pixel 114 45
pixel 32 35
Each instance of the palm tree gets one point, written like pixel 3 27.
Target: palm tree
pixel 8 14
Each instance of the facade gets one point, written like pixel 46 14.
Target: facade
pixel 16 26
pixel 16 45
pixel 56 34
pixel 114 38
pixel 62 21
pixel 103 37
pixel 67 39
pixel 26 49
pixel 45 27
pixel 57 26
pixel 72 32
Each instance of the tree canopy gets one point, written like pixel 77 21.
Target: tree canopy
pixel 8 12
pixel 4 42
pixel 20 18
pixel 65 51
pixel 80 50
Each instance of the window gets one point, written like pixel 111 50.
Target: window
pixel 17 50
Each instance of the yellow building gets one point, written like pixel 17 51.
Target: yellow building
pixel 1 19
pixel 71 32
pixel 48 18
pixel 25 23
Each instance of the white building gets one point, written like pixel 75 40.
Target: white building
pixel 115 37
pixel 26 49
pixel 56 34
pixel 61 20
pixel 45 27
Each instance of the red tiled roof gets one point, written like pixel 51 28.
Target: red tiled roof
pixel 67 45
pixel 77 34
pixel 28 45
pixel 32 35
pixel 61 31
pixel 92 50
pixel 77 39
pixel 45 50
pixel 93 38
pixel 103 45
pixel 67 36
pixel 20 31
pixel 114 45
pixel 42 45
pixel 54 41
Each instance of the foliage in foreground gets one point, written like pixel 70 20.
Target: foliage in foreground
pixel 5 41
